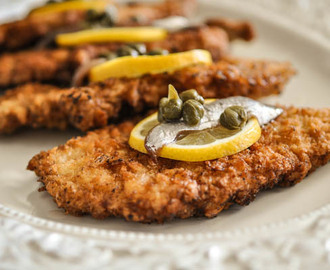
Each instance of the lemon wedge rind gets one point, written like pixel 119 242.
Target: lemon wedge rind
pixel 70 5
pixel 129 66
pixel 136 139
pixel 114 34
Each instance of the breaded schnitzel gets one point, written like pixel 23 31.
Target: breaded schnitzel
pixel 94 106
pixel 99 174
pixel 58 65
pixel 235 29
pixel 19 34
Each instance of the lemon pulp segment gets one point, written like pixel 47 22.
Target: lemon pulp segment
pixel 129 66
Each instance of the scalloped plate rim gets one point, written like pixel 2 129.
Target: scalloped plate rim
pixel 117 234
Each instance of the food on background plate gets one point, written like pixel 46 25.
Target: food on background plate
pixel 132 67
pixel 52 7
pixel 26 32
pixel 235 29
pixel 194 157
pixel 37 106
pixel 94 40
pixel 114 34
pixel 100 174
pixel 197 146
pixel 63 66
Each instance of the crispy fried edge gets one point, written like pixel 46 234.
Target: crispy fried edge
pixel 290 148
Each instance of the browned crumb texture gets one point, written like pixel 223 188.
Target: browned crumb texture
pixel 48 65
pixel 35 105
pixel 22 33
pixel 99 174
pixel 17 35
pixel 58 65
pixel 235 29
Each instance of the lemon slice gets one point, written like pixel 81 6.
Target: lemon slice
pixel 202 145
pixel 114 34
pixel 129 66
pixel 70 5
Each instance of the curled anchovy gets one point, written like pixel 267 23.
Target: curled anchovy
pixel 166 133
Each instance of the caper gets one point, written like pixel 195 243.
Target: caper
pixel 191 94
pixel 160 117
pixel 163 101
pixel 233 117
pixel 162 104
pixel 193 112
pixel 139 47
pixel 169 110
pixel 158 52
pixel 172 110
pixel 92 15
pixel 106 21
pixel 109 55
pixel 127 51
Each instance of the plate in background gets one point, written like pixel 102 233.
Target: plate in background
pixel 276 40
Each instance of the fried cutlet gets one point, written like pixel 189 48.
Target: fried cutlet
pixel 235 29
pixel 99 174
pixel 31 106
pixel 19 34
pixel 94 106
pixel 58 65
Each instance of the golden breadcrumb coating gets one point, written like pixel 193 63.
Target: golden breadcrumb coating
pixel 19 34
pixel 100 175
pixel 235 29
pixel 29 66
pixel 29 105
pixel 94 106
pixel 58 65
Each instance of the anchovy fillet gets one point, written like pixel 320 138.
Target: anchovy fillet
pixel 166 133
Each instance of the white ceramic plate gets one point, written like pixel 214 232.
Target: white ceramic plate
pixel 277 40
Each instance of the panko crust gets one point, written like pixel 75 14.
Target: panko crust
pixel 28 66
pixel 100 175
pixel 93 107
pixel 235 29
pixel 20 34
pixel 33 105
pixel 85 108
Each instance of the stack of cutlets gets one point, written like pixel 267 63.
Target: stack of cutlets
pixel 99 174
